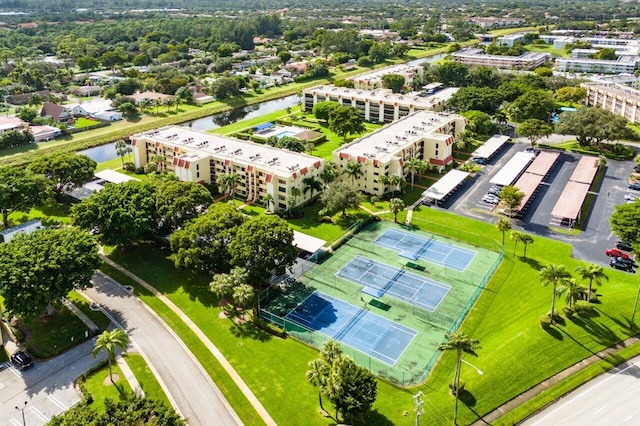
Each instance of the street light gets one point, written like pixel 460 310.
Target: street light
pixel 24 423
pixel 480 372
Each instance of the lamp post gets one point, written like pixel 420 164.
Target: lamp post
pixel 24 423
pixel 457 386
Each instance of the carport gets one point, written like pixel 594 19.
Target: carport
pixel 534 175
pixel 445 185
pixel 567 210
pixel 513 169
pixel 307 246
pixel 488 149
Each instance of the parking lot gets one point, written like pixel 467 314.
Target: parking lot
pixel 594 238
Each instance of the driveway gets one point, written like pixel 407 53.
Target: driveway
pixel 191 389
pixel 47 387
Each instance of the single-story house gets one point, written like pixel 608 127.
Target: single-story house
pixel 45 133
pixel 202 98
pixel 54 111
pixel 153 96
pixel 23 98
pixel 88 90
pixel 101 109
pixel 28 227
pixel 11 123
pixel 111 115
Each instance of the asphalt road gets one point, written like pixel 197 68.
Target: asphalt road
pixel 611 399
pixel 196 396
pixel 47 387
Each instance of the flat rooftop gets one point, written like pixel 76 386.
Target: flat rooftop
pixel 386 96
pixel 388 140
pixel 616 89
pixel 377 74
pixel 472 53
pixel 203 145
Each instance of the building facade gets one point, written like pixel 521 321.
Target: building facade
pixel 527 61
pixel 378 105
pixel 423 135
pixel 620 100
pixel 373 80
pixel 201 157
pixel 625 64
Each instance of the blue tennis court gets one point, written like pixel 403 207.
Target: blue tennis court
pixel 378 279
pixel 367 332
pixel 416 247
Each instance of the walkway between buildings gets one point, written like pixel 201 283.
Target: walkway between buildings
pixel 253 400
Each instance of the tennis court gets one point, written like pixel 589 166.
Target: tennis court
pixel 414 247
pixel 379 279
pixel 367 332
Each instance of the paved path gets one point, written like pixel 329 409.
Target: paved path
pixel 253 400
pixel 186 383
pixel 129 376
pixel 85 319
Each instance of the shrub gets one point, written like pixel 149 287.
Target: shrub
pixel 325 219
pixel 128 166
pixel 568 311
pixel 545 322
pixel 582 307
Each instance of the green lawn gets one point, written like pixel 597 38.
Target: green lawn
pixel 50 213
pixel 84 122
pixel 49 336
pixel 83 304
pixel 101 388
pixel 547 48
pixel 147 380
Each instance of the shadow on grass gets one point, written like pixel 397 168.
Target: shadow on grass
pixel 532 262
pixel 249 330
pixel 378 419
pixel 553 332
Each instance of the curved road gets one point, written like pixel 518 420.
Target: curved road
pixel 189 387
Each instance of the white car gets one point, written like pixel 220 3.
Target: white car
pixel 491 199
pixel 630 197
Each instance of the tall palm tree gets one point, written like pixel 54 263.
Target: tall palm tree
pixel 384 180
pixel 593 273
pixel 504 226
pixel 244 295
pixel 317 376
pixel 553 274
pixel 227 183
pixel 267 199
pixel 311 184
pixel 108 342
pixel 412 165
pixel 329 173
pixel 395 181
pixel 354 170
pixel 294 194
pixel 516 237
pixel 460 343
pixel 572 289
pixel 526 240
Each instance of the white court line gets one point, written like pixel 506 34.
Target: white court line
pixel 601 408
pixel 635 364
pixel 15 422
pixel 57 402
pixel 39 414
pixel 628 418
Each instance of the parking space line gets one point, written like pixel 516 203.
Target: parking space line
pixel 15 422
pixel 15 371
pixel 57 402
pixel 39 414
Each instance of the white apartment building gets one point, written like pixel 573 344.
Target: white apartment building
pixel 510 40
pixel 423 135
pixel 373 79
pixel 378 105
pixel 620 100
pixel 197 156
pixel 624 64
pixel 527 61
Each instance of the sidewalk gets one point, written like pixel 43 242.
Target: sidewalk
pixel 128 374
pixel 543 386
pixel 85 319
pixel 253 400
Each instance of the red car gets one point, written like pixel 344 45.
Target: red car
pixel 616 253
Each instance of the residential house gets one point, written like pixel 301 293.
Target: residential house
pixel 56 112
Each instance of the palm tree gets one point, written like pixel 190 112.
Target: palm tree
pixel 243 295
pixel 395 181
pixel 593 273
pixel 227 183
pixel 460 343
pixel 553 274
pixel 526 240
pixel 396 205
pixel 122 149
pixel 312 184
pixel 294 194
pixel 412 165
pixel 353 169
pixel 146 104
pixel 267 200
pixel 329 173
pixel 515 236
pixel 574 291
pixel 317 376
pixel 384 180
pixel 109 341
pixel 221 285
pixel 504 226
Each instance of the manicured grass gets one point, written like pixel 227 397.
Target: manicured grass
pixel 83 304
pixel 147 380
pixel 309 224
pixel 84 122
pixel 547 48
pixel 49 336
pixel 250 123
pixel 101 388
pixel 50 213
pixel 226 385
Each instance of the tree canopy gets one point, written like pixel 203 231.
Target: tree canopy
pixel 534 130
pixel 625 223
pixel 39 269
pixel 395 82
pixel 20 189
pixel 340 196
pixel 591 125
pixel 178 202
pixel 65 170
pixel 344 120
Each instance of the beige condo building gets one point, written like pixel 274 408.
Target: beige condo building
pixel 197 156
pixel 620 100
pixel 423 135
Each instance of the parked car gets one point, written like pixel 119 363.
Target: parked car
pixel 536 151
pixel 616 253
pixel 630 197
pixel 491 199
pixel 627 260
pixel 495 191
pixel 480 161
pixel 636 169
pixel 635 185
pixel 622 245
pixel 614 263
pixel 21 360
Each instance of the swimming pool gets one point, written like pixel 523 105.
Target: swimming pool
pixel 285 133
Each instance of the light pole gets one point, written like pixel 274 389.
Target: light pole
pixel 24 423
pixel 457 385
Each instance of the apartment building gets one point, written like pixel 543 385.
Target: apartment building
pixel 624 64
pixel 510 40
pixel 617 98
pixel 373 79
pixel 527 61
pixel 378 105
pixel 423 135
pixel 200 157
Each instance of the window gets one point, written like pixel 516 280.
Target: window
pixel 437 146
pixel 197 174
pixel 197 166
pixel 436 152
pixel 282 189
pixel 281 181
